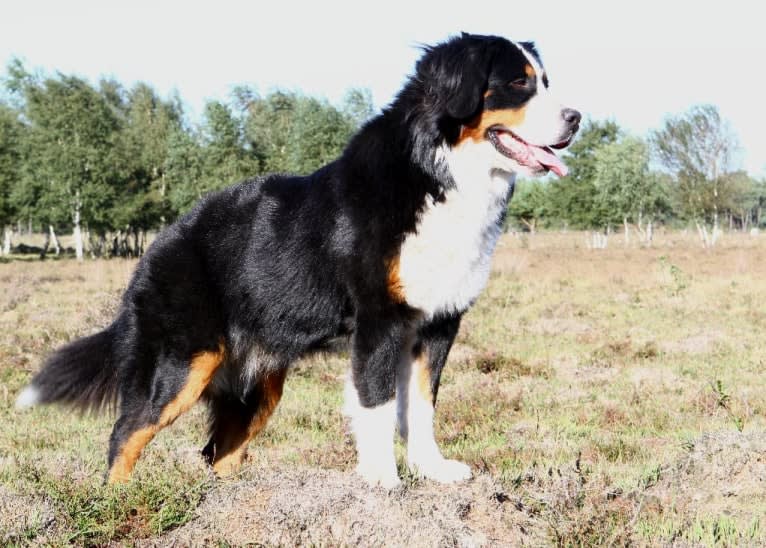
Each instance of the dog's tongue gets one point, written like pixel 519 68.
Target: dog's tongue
pixel 523 151
pixel 546 157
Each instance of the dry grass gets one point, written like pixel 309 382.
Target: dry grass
pixel 601 396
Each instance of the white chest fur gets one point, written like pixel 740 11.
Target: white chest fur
pixel 445 264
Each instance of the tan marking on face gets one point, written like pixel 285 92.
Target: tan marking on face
pixel 488 93
pixel 476 129
pixel 232 447
pixel 201 370
pixel 529 70
pixel 393 282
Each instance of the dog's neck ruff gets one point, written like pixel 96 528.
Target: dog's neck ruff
pixel 445 263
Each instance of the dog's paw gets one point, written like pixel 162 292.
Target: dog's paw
pixel 443 470
pixel 376 476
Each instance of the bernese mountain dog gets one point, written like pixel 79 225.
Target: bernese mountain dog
pixel 388 246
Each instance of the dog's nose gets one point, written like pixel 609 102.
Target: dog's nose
pixel 571 116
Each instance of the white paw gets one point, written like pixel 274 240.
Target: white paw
pixel 384 477
pixel 443 470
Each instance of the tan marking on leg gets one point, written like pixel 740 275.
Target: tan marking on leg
pixel 230 456
pixel 393 282
pixel 201 370
pixel 129 453
pixel 423 375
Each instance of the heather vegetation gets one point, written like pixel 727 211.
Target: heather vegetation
pixel 602 397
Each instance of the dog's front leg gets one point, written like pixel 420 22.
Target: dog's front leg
pixel 378 345
pixel 417 386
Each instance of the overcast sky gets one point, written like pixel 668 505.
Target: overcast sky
pixel 635 62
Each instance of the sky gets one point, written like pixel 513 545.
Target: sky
pixel 635 62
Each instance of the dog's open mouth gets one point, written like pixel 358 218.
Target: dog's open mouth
pixel 534 157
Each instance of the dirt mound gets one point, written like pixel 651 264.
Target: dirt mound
pixel 321 507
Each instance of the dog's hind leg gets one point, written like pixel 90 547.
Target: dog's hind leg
pixel 233 422
pixel 142 415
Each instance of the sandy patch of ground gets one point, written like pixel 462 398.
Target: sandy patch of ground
pixel 327 507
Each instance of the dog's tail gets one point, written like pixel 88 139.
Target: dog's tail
pixel 81 375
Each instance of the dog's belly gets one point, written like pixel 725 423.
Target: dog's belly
pixel 444 265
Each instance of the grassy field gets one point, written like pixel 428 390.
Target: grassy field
pixel 601 397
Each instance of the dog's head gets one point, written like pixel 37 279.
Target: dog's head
pixel 493 93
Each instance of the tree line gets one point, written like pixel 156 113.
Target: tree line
pixel 109 163
pixel 683 174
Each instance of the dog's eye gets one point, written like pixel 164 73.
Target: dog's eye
pixel 520 83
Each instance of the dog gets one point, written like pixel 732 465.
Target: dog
pixel 387 246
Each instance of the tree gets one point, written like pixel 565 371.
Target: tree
pixel 70 167
pixel 184 167
pixel 357 106
pixel 626 190
pixel 530 204
pixel 147 123
pixel 215 156
pixel 318 135
pixel 697 147
pixel 759 193
pixel 740 197
pixel 11 131
pixel 574 197
pixel 293 133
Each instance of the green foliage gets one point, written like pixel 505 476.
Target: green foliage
pixel 697 148
pixel 11 131
pixel 574 198
pixel 127 160
pixel 681 279
pixel 530 204
pixel 624 185
pixel 299 134
pixel 70 150
pixel 723 400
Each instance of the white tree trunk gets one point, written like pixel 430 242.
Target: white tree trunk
pixel 55 240
pixel 649 233
pixel 77 229
pixel 598 240
pixel 627 231
pixel 7 231
pixel 703 232
pixel 531 225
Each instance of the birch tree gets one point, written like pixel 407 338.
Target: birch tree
pixel 698 147
pixel 70 163
pixel 625 186
pixel 11 131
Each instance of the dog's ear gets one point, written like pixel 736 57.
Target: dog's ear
pixel 458 72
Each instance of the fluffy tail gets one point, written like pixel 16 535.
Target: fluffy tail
pixel 81 374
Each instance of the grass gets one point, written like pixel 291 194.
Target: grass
pixel 610 396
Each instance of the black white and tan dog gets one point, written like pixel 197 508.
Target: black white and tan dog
pixel 388 245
